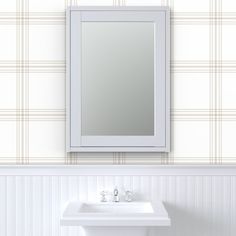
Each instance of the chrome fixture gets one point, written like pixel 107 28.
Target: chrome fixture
pixel 128 196
pixel 103 196
pixel 115 196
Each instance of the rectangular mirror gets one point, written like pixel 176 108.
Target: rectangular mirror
pixel 118 79
pixel 117 68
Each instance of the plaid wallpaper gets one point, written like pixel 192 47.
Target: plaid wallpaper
pixel 32 83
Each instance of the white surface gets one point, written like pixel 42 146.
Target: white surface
pixel 115 214
pixel 200 200
pixel 115 231
pixel 116 208
pixel 119 170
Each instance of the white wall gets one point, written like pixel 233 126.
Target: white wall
pixel 201 201
pixel 32 83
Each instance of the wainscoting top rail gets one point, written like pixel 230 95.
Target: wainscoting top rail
pixel 118 170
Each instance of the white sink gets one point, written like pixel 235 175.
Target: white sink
pixel 117 208
pixel 111 218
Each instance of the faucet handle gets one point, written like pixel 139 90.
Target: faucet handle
pixel 116 192
pixel 103 196
pixel 128 196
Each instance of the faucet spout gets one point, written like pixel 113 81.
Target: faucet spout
pixel 116 195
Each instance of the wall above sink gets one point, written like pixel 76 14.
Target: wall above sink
pixel 118 84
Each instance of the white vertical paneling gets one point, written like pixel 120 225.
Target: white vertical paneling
pixel 127 183
pixel 118 182
pixel 180 198
pixel 137 187
pixel 64 196
pixel 3 205
pixel 180 201
pixel 28 206
pixel 64 191
pixel 50 208
pixel 11 206
pixel 169 191
pixel 92 189
pixel 37 205
pixel 83 188
pixel 189 192
pixel 109 183
pixel 233 206
pixel 163 188
pixel 72 231
pixel 226 207
pixel 20 205
pixel 172 190
pixel 55 206
pixel 214 208
pixel 154 188
pixel 46 208
pixel 208 203
pixel 73 191
pixel 100 185
pixel 197 205
pixel 199 195
pixel 145 188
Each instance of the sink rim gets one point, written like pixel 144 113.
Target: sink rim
pixel 71 215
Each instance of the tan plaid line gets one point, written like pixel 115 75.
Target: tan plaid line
pixel 81 160
pixel 145 158
pixel 56 118
pixel 119 2
pixel 33 66
pixel 215 82
pixel 203 18
pixel 49 66
pixel 59 114
pixel 212 84
pixel 46 111
pixel 176 20
pixel 32 115
pixel 219 116
pixel 22 86
pixel 203 66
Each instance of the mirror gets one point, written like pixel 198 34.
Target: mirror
pixel 117 79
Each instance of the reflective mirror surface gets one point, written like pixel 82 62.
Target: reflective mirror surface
pixel 117 78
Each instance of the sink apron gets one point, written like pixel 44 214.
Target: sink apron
pixel 115 231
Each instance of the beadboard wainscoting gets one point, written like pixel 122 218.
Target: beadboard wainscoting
pixel 201 200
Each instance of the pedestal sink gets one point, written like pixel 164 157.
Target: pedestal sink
pixel 115 219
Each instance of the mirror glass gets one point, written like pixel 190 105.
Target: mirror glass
pixel 117 78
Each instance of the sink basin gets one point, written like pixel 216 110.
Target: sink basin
pixel 116 208
pixel 115 214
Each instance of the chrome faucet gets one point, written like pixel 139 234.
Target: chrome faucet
pixel 116 195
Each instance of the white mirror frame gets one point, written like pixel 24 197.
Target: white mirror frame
pixel 160 141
